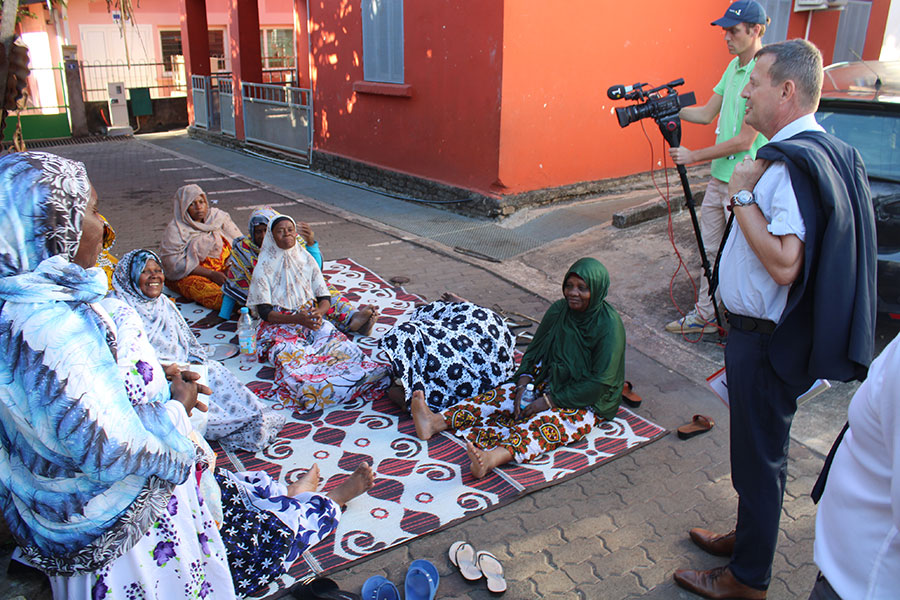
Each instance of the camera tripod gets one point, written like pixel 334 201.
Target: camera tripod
pixel 670 127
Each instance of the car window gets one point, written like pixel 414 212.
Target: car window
pixel 875 135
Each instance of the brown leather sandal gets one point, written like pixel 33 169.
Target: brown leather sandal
pixel 699 424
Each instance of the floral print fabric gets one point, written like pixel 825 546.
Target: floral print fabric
pixel 450 351
pixel 181 554
pixel 487 421
pixel 87 471
pixel 317 369
pixel 266 530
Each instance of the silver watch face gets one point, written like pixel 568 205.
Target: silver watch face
pixel 743 197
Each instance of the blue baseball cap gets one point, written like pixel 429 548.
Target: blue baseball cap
pixel 742 11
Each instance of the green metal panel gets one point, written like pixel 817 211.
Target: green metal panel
pixel 140 102
pixel 39 127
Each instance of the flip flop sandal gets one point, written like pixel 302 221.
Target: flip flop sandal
pixel 379 588
pixel 492 568
pixel 513 324
pixel 699 424
pixel 629 397
pixel 322 589
pixel 422 581
pixel 462 555
pixel 524 338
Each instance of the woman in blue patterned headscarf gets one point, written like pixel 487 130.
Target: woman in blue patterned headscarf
pixel 96 467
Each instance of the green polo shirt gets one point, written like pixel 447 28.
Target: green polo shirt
pixel 731 116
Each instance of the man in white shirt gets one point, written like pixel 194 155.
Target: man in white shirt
pixel 858 524
pixel 809 196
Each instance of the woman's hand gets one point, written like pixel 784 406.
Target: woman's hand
pixel 523 381
pixel 217 277
pixel 306 232
pixel 310 319
pixel 184 388
pixel 540 404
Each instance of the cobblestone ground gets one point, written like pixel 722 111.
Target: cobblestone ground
pixel 618 531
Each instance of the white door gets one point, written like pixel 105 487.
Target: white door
pixel 109 56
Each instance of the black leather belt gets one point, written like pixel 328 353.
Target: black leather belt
pixel 750 323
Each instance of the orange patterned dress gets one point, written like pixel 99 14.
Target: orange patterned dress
pixel 200 289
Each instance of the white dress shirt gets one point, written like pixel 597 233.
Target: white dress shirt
pixel 745 286
pixel 857 544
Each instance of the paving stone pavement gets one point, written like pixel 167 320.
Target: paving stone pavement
pixel 618 531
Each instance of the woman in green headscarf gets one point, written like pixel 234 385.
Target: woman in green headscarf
pixel 577 365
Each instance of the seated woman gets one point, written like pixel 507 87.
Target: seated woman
pixel 237 418
pixel 99 484
pixel 265 523
pixel 196 246
pixel 244 254
pixel 315 364
pixel 577 364
pixel 449 350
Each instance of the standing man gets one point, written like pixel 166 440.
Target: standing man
pixel 744 24
pixel 798 283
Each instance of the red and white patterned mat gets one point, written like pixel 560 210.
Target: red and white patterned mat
pixel 420 487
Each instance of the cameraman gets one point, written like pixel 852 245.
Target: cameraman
pixel 744 24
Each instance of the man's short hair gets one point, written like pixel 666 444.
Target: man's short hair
pixel 801 62
pixel 762 26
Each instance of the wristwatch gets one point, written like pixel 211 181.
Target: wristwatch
pixel 743 198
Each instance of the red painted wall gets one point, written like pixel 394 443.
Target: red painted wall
pixel 448 129
pixel 557 125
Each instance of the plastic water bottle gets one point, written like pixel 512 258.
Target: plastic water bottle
pixel 246 336
pixel 528 395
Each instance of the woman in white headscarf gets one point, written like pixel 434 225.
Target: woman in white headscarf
pixel 237 418
pixel 315 364
pixel 196 246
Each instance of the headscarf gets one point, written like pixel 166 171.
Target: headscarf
pixel 581 354
pixel 83 473
pixel 244 253
pixel 285 278
pixel 186 242
pixel 166 329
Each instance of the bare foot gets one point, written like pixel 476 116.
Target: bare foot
pixel 359 481
pixel 364 319
pixel 360 317
pixel 308 483
pixel 427 423
pixel 451 297
pixel 485 461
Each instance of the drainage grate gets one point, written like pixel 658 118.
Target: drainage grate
pixel 70 141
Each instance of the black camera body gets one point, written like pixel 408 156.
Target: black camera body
pixel 651 104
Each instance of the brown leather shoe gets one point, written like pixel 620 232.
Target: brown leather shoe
pixel 716 544
pixel 717 584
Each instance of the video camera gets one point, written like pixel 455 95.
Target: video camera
pixel 651 103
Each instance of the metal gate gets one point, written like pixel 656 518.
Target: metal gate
pixel 279 116
pixel 200 97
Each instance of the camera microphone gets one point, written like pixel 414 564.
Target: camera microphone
pixel 617 92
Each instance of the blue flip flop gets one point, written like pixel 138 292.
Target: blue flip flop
pixel 422 581
pixel 379 588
